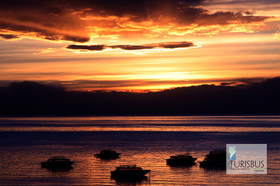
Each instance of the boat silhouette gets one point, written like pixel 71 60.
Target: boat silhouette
pixel 181 160
pixel 215 159
pixel 107 155
pixel 129 172
pixel 57 162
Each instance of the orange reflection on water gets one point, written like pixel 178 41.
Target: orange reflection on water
pixel 144 123
pixel 166 129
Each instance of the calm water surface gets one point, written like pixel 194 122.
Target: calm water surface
pixel 145 141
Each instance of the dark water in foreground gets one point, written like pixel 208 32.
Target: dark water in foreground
pixel 145 141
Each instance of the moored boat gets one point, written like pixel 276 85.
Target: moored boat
pixel 57 162
pixel 107 155
pixel 215 159
pixel 129 172
pixel 183 159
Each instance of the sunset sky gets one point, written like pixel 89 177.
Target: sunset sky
pixel 136 45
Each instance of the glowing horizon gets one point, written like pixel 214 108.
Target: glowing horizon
pixel 143 46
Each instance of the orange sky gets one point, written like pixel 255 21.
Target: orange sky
pixel 139 45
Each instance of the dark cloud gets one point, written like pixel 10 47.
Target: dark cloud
pixel 202 17
pixel 131 47
pixel 79 39
pixel 61 20
pixel 166 45
pixel 171 45
pixel 224 18
pixel 240 2
pixel 47 20
pixel 9 36
pixel 87 47
pixel 37 28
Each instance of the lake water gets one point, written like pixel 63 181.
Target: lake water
pixel 146 141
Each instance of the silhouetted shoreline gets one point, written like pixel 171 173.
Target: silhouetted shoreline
pixel 34 99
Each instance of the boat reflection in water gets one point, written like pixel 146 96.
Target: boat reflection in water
pixel 181 160
pixel 59 170
pixel 131 181
pixel 214 160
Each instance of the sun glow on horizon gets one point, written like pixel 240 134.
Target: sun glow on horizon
pixel 140 48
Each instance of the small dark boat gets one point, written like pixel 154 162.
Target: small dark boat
pixel 57 162
pixel 107 155
pixel 184 159
pixel 129 172
pixel 215 159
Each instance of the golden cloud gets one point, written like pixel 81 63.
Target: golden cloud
pixel 79 21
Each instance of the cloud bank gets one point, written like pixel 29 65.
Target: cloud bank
pixel 165 45
pixel 79 21
pixel 8 36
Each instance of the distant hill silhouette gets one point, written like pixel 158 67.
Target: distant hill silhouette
pixel 31 98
